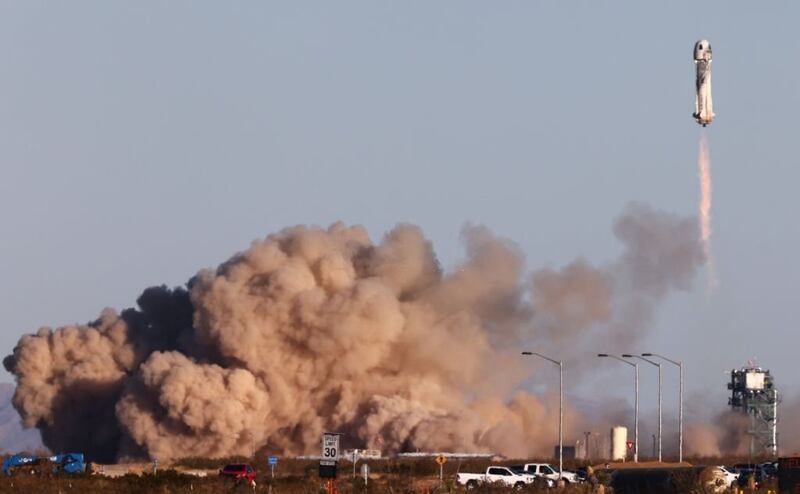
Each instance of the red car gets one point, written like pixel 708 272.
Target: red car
pixel 239 471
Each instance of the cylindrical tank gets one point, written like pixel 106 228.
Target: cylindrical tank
pixel 619 440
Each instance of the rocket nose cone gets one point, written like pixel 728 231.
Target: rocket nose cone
pixel 702 50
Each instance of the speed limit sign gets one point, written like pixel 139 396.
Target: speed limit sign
pixel 330 447
pixel 329 456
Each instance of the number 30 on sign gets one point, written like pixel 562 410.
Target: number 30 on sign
pixel 330 447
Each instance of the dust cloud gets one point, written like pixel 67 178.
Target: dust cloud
pixel 314 329
pixel 727 434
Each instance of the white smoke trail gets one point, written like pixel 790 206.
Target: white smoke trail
pixel 704 170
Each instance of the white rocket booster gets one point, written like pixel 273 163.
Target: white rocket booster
pixel 703 107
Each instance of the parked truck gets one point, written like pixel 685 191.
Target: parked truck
pixel 501 475
pixel 70 463
pixel 545 470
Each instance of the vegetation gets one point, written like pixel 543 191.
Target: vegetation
pixel 292 477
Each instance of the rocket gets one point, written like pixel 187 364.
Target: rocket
pixel 703 107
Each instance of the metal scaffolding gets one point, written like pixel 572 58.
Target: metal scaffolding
pixel 753 393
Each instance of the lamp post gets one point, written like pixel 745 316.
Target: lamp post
pixel 680 399
pixel 560 408
pixel 657 364
pixel 636 403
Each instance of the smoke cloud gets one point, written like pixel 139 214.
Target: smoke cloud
pixel 316 329
pixel 727 434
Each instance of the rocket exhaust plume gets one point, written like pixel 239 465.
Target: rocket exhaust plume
pixel 704 214
pixel 314 329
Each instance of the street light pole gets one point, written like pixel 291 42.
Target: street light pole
pixel 680 413
pixel 659 413
pixel 657 364
pixel 636 403
pixel 560 408
pixel 636 430
pixel 680 399
pixel 560 420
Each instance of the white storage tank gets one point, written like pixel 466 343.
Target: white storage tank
pixel 619 443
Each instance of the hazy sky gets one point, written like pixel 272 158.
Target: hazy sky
pixel 142 141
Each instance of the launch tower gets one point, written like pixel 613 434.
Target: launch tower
pixel 753 393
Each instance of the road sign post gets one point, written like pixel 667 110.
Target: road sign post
pixel 329 456
pixel 365 473
pixel 272 461
pixel 441 460
pixel 354 457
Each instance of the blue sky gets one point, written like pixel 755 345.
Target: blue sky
pixel 142 141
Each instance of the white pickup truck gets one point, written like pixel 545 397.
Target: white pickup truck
pixel 500 475
pixel 545 470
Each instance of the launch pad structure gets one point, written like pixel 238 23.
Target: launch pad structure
pixel 753 393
